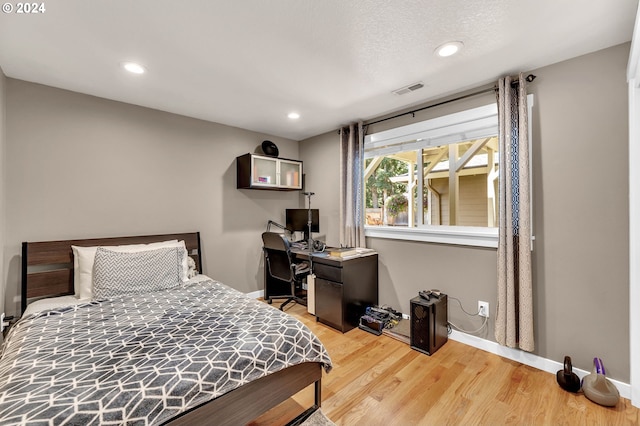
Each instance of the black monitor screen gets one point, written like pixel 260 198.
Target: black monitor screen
pixel 297 220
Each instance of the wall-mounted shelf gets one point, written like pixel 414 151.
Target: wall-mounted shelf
pixel 261 172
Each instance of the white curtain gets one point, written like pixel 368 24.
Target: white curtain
pixel 351 186
pixel 514 317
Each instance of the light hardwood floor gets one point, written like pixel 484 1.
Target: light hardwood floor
pixel 377 380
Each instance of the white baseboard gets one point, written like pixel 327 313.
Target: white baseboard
pixel 527 358
pixel 256 294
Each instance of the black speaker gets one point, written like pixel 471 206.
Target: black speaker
pixel 429 323
pixel 269 148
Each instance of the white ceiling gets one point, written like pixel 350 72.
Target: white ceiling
pixel 248 63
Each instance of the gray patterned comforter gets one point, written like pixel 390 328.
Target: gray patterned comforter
pixel 144 359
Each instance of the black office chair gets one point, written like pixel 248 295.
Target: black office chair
pixel 280 265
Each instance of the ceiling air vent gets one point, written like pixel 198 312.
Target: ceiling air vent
pixel 408 89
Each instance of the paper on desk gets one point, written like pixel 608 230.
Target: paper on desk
pixel 360 251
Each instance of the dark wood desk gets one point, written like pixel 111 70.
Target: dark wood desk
pixel 343 287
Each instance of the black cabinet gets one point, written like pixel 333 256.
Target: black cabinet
pixel 344 289
pixel 329 308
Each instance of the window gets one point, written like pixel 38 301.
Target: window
pixel 436 180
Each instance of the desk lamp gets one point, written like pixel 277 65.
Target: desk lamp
pixel 271 222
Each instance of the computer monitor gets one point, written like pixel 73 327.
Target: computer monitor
pixel 296 221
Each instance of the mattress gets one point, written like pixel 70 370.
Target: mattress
pixel 144 359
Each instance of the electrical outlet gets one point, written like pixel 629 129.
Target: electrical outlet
pixel 483 309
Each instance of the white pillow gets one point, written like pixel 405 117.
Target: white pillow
pixel 84 257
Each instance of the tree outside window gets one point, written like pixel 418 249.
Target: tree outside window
pixel 453 185
pixel 380 174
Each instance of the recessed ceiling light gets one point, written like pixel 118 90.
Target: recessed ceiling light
pixel 293 115
pixel 134 68
pixel 449 48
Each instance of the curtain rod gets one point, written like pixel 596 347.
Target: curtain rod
pixel 529 78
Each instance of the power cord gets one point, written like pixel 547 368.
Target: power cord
pixel 450 324
pixel 484 323
pixel 461 307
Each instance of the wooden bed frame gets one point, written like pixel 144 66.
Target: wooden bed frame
pixel 47 271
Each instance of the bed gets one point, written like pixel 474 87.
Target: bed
pixel 185 354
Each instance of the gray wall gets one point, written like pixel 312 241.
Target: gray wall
pixel 3 139
pixel 322 154
pixel 581 259
pixel 581 210
pixel 80 166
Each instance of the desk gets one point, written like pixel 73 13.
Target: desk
pixel 344 287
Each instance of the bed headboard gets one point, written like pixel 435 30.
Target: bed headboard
pixel 47 266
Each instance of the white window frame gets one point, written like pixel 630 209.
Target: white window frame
pixel 457 127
